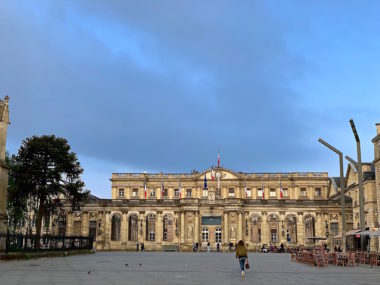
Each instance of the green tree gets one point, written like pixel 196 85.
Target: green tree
pixel 46 171
pixel 16 203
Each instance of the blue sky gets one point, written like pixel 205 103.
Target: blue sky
pixel 158 85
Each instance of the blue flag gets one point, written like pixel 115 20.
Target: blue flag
pixel 205 185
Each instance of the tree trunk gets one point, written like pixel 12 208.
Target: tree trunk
pixel 41 210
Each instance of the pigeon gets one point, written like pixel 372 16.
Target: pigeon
pixel 89 272
pixel 140 264
pixel 126 264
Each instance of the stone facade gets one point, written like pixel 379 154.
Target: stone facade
pixel 150 209
pixel 376 144
pixel 4 121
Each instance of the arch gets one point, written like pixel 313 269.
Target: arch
pixel 133 226
pixel 167 227
pixel 115 227
pixel 273 227
pixel 291 228
pixel 309 223
pixel 150 227
pixel 256 228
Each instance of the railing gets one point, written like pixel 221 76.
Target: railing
pixel 29 243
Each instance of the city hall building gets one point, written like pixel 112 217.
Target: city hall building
pixel 168 211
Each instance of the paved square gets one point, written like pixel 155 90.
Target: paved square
pixel 177 268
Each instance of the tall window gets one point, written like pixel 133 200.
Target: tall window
pixel 231 192
pixel 205 193
pixel 309 228
pixel 152 193
pixel 92 229
pixel 188 192
pixel 285 192
pixel 135 193
pixel 176 193
pixel 133 224
pixel 303 192
pixel 121 192
pixel 272 192
pixel 115 228
pixel 168 228
pixel 218 235
pixel 248 192
pixel 318 192
pixel 205 234
pixel 165 193
pixel 260 193
pixel 334 229
pixel 61 227
pixel 151 227
pixel 273 222
pixel 291 228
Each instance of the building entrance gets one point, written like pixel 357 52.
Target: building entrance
pixel 211 230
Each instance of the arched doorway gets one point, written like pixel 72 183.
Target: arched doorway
pixel 133 228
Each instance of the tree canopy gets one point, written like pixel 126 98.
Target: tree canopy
pixel 46 171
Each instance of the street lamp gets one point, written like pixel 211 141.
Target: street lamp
pixel 358 165
pixel 342 190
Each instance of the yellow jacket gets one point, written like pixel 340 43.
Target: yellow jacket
pixel 241 251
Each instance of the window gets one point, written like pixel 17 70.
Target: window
pixel 151 227
pixel 248 192
pixel 272 192
pixel 205 234
pixel 165 193
pixel 188 192
pixel 231 192
pixel 303 192
pixel 205 193
pixel 260 193
pixel 273 235
pixel 92 230
pixel 121 192
pixel 334 229
pixel 115 227
pixel 285 192
pixel 151 235
pixel 135 193
pixel 176 193
pixel 318 192
pixel 218 235
pixel 152 193
pixel 61 227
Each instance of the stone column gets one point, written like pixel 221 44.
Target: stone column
pixel 107 231
pixel 124 229
pixel 264 229
pixel 196 232
pixel 240 226
pixel 69 223
pixel 226 230
pixel 159 229
pixel 85 224
pixel 300 230
pixel 182 227
pixel 4 122
pixel 318 225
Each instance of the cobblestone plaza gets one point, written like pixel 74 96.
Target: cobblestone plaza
pixel 178 268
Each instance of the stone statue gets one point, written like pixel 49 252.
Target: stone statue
pixel 189 231
pixel 233 232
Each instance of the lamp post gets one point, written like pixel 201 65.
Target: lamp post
pixel 360 181
pixel 342 190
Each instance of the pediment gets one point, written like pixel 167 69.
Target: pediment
pixel 224 174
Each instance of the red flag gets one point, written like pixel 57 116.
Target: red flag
pixel 212 173
pixel 280 190
pixel 145 190
pixel 262 187
pixel 218 158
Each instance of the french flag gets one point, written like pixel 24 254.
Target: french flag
pixel 212 173
pixel 280 189
pixel 145 190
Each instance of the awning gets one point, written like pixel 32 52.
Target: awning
pixel 349 233
pixel 371 234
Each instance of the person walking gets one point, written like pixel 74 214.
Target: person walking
pixel 241 254
pixel 208 246
pixel 142 247
pixel 137 246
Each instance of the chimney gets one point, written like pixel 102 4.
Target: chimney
pixel 378 128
